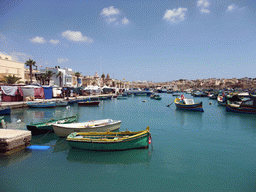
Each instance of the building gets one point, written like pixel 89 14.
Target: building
pixel 11 67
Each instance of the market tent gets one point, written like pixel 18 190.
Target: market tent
pixel 11 93
pixel 48 92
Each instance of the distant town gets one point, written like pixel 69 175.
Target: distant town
pixel 14 72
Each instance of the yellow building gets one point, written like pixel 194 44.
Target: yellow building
pixel 11 67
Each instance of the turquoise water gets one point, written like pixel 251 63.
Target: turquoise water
pixel 192 151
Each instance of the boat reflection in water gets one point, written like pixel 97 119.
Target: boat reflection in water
pixel 115 157
pixel 189 119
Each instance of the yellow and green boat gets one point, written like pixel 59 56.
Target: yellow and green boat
pixel 110 141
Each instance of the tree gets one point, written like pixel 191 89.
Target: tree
pixel 30 63
pixel 48 76
pixel 60 78
pixel 103 78
pixel 11 79
pixel 77 74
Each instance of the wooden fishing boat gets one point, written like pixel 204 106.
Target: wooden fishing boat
pixel 188 104
pixel 222 100
pixel 110 141
pixel 89 103
pixel 63 130
pixel 157 97
pixel 140 94
pixel 45 127
pixel 5 110
pixel 247 106
pixel 41 104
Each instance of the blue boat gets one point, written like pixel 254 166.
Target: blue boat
pixel 5 110
pixel 188 104
pixel 41 104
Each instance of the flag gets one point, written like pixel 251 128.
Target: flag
pixel 149 140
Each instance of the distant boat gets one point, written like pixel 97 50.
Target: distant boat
pixel 45 127
pixel 45 104
pixel 110 141
pixel 156 97
pixel 63 130
pixel 221 98
pixel 188 104
pixel 5 110
pixel 140 94
pixel 89 103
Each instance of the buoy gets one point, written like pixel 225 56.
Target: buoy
pixel 38 147
pixel 18 121
pixel 68 107
pixel 210 103
pixel 144 101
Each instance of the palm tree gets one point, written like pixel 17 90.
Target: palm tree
pixel 11 79
pixel 48 76
pixel 30 63
pixel 77 74
pixel 103 78
pixel 60 78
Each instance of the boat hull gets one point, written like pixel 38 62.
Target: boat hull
pixel 65 131
pixel 89 103
pixel 42 105
pixel 5 111
pixel 134 142
pixel 45 127
pixel 194 107
pixel 244 110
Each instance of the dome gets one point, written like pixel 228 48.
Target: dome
pixel 96 75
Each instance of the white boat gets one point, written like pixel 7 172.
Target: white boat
pixel 63 130
pixel 61 103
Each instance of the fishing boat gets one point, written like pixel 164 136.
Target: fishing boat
pixel 140 94
pixel 188 104
pixel 45 104
pixel 45 127
pixel 222 99
pixel 110 141
pixel 61 103
pixel 157 97
pixel 245 106
pixel 5 110
pixel 63 130
pixel 89 103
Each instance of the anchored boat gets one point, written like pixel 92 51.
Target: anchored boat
pixel 110 141
pixel 63 130
pixel 188 104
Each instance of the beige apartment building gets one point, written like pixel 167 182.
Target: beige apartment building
pixel 11 67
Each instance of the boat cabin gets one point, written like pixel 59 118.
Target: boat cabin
pixel 251 103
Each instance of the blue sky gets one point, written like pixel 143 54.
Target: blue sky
pixel 153 40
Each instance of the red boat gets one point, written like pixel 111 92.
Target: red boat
pixel 88 103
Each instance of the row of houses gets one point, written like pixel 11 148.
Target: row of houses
pixel 68 77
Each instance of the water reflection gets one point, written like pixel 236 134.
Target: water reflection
pixel 15 157
pixel 188 118
pixel 117 157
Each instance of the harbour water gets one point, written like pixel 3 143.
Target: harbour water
pixel 190 151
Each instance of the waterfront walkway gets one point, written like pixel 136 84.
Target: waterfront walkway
pixel 20 104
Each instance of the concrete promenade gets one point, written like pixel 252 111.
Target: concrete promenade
pixel 21 104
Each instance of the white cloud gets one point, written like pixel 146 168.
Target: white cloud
pixel 234 7
pixel 19 56
pixel 76 36
pixel 62 60
pixel 125 21
pixel 110 20
pixel 37 39
pixel 175 15
pixel 203 4
pixel 108 11
pixel 54 42
pixel 231 7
